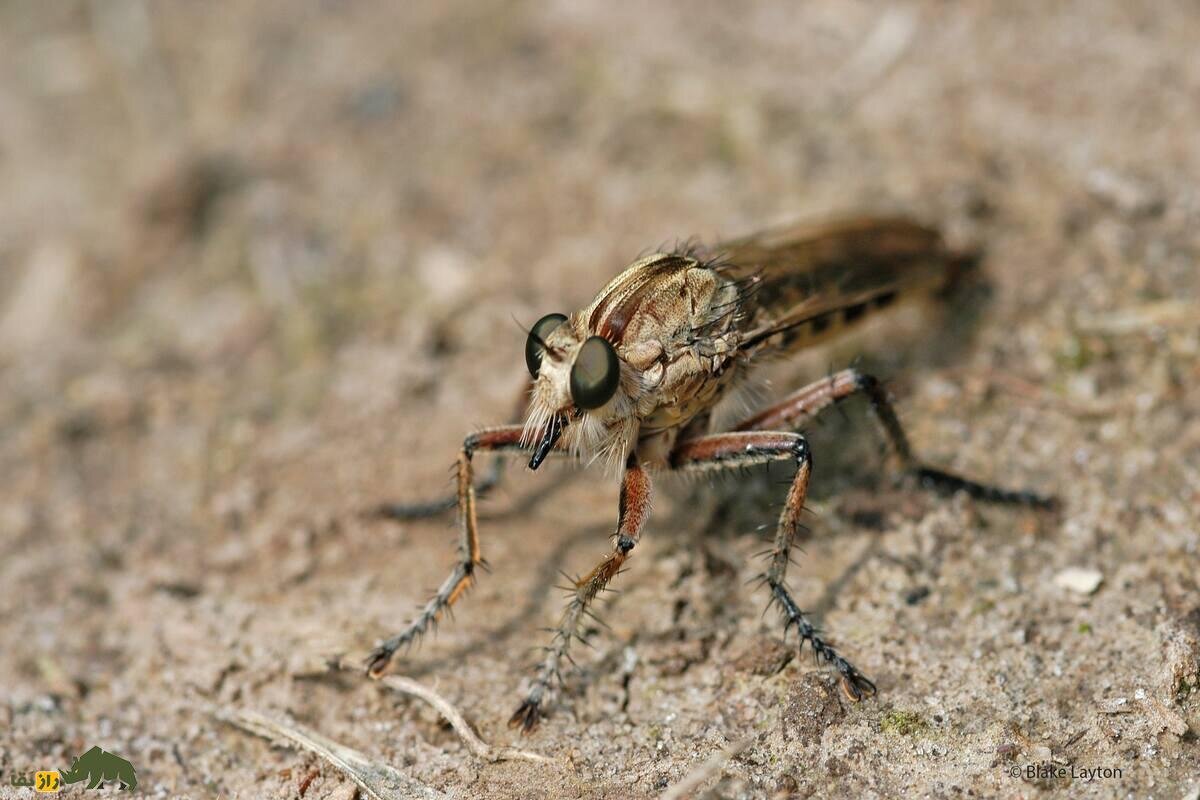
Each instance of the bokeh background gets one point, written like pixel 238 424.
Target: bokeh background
pixel 259 269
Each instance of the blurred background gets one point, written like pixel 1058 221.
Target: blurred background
pixel 259 269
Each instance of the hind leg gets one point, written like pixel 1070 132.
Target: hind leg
pixel 821 395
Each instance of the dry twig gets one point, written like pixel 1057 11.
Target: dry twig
pixel 376 780
pixel 1138 319
pixel 477 746
pixel 701 774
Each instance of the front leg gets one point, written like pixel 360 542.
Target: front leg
pixel 633 511
pixel 744 449
pixel 429 508
pixel 811 400
pixel 502 439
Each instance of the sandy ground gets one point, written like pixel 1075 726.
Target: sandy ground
pixel 259 265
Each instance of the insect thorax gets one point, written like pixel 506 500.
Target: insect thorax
pixel 674 321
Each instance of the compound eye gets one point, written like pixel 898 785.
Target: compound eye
pixel 537 335
pixel 596 373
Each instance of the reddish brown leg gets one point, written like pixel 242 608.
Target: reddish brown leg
pixel 502 439
pixel 743 449
pixel 634 510
pixel 811 400
pixel 429 508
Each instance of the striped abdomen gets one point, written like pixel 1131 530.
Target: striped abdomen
pixel 818 281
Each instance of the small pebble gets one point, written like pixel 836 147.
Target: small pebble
pixel 1119 705
pixel 1079 580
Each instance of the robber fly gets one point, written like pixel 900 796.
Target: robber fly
pixel 630 381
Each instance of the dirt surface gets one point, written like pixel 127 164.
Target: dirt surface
pixel 259 266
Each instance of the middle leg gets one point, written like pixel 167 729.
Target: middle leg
pixel 748 448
